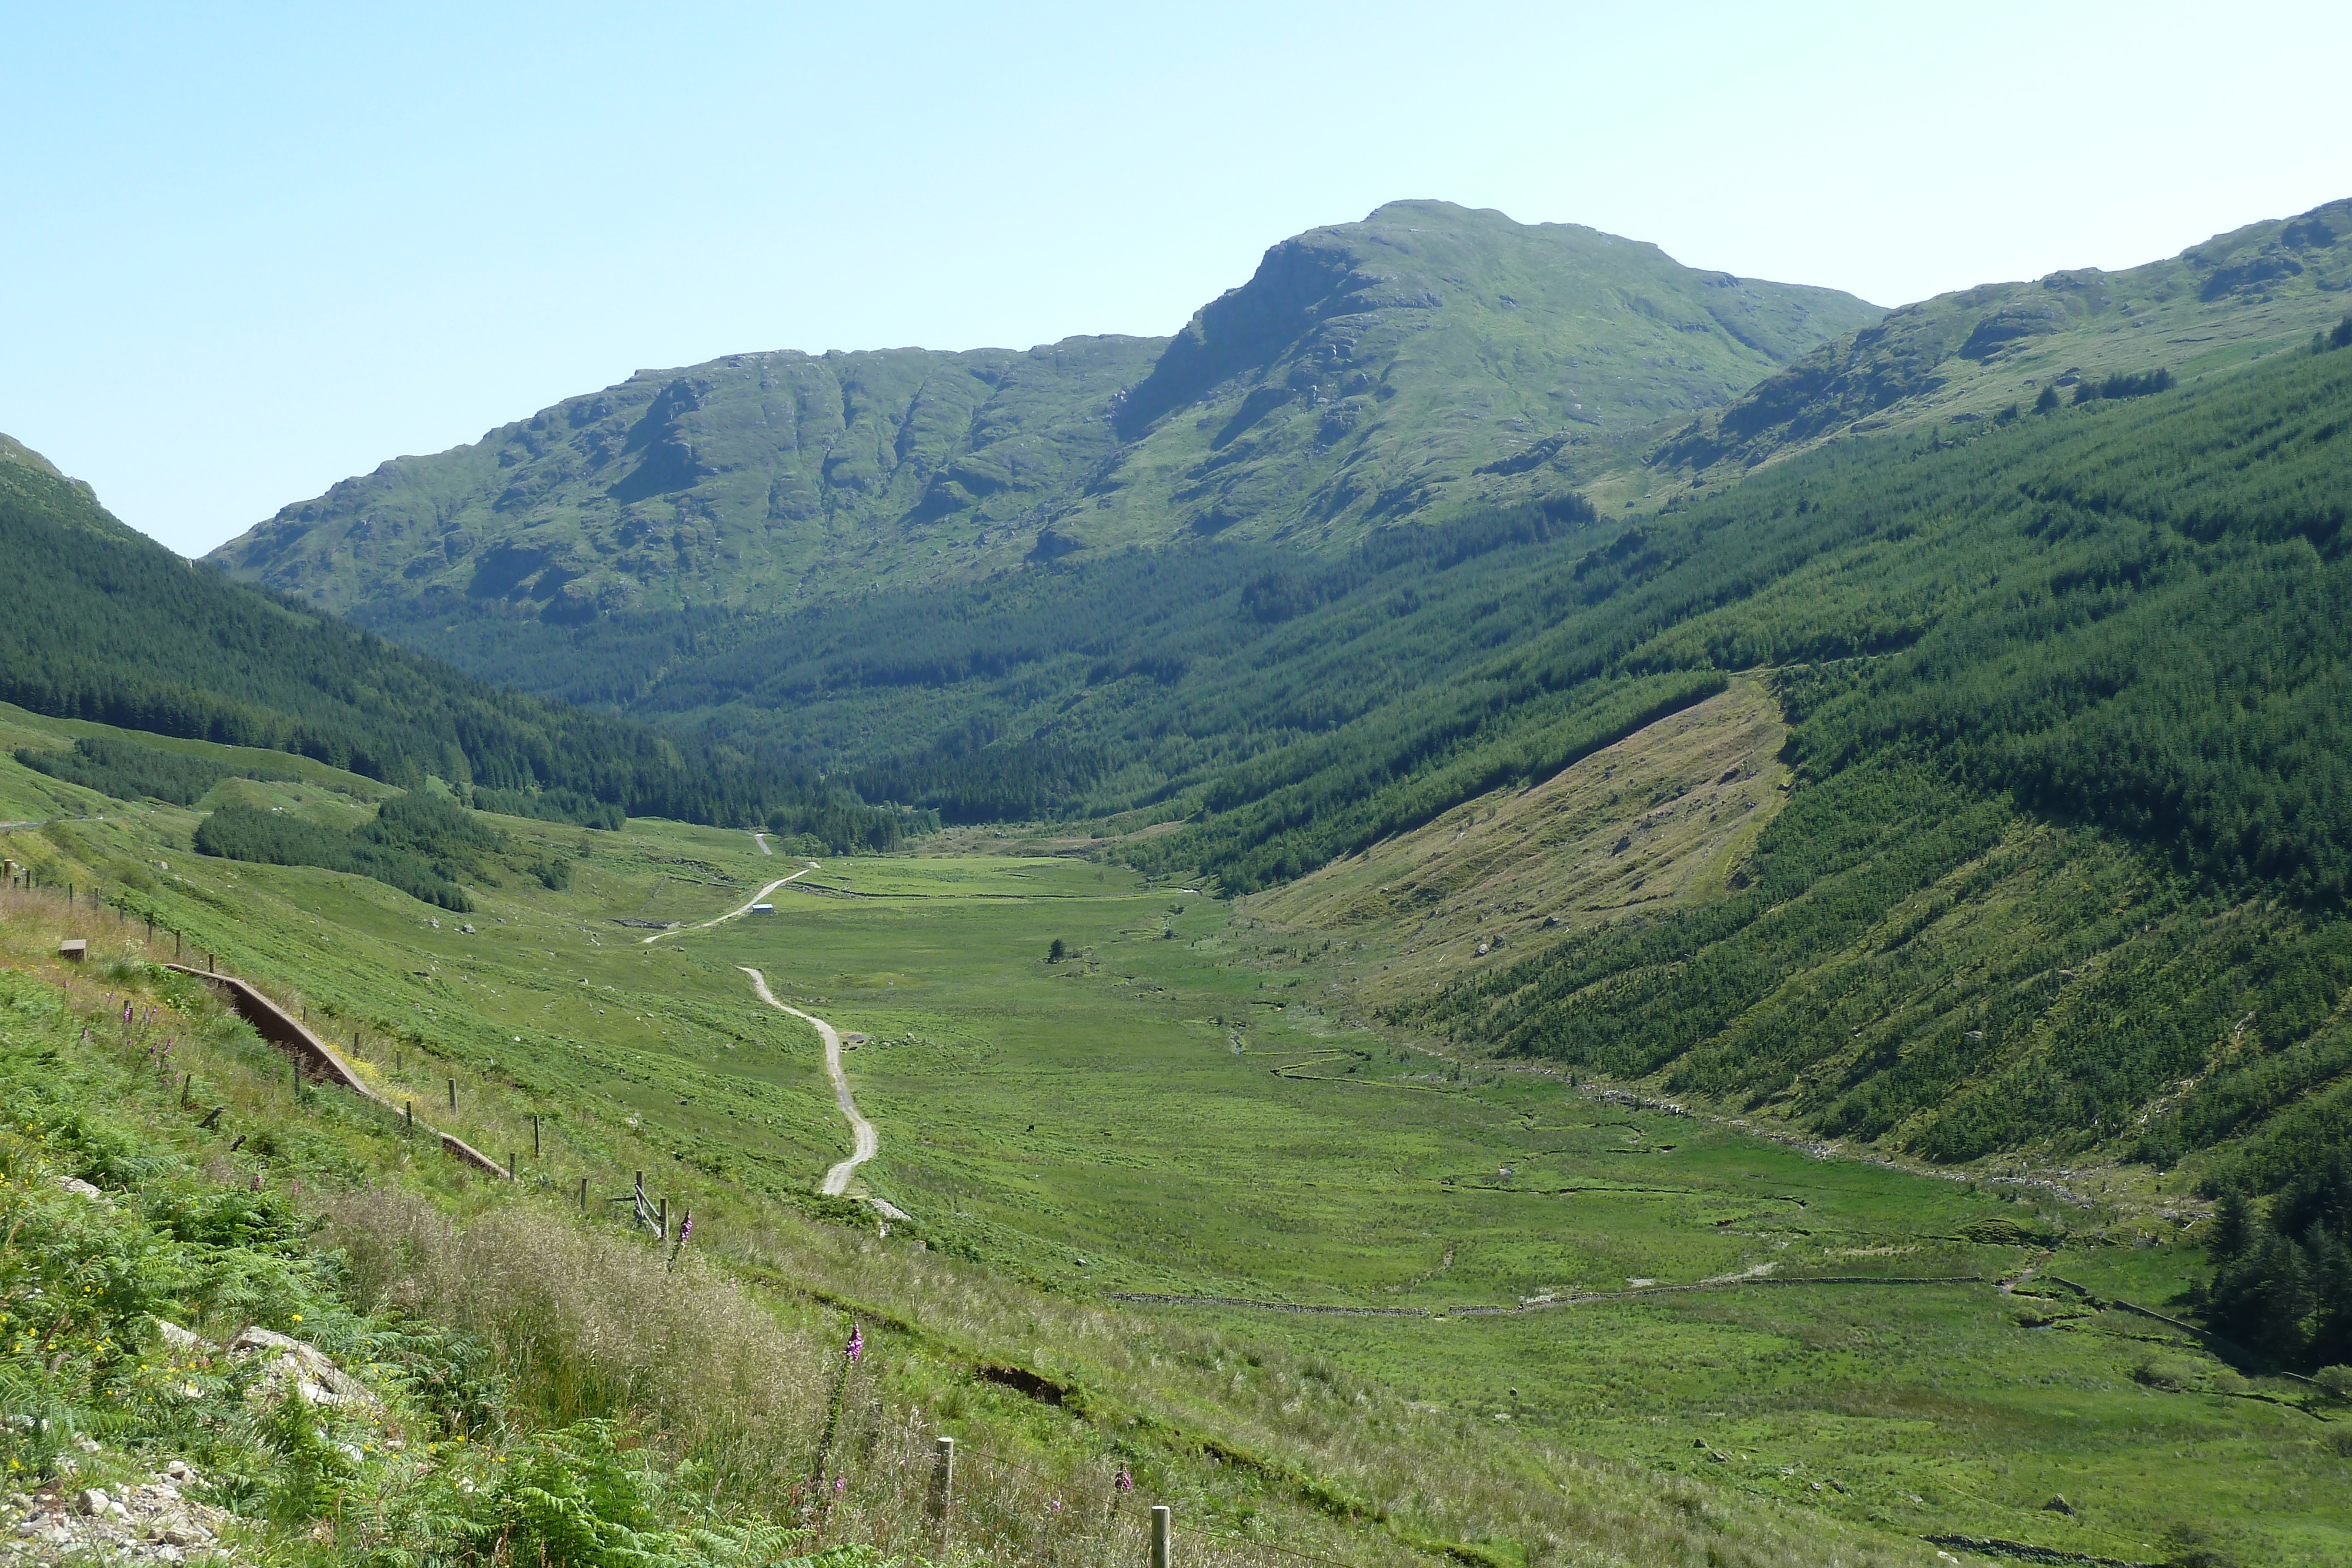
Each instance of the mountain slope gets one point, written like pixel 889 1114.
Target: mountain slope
pixel 732 483
pixel 129 634
pixel 1967 355
pixel 2067 861
pixel 2066 693
pixel 1429 355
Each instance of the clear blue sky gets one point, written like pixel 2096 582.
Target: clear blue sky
pixel 251 252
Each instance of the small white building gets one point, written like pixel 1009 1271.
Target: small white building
pixel 763 909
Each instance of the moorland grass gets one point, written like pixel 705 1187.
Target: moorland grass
pixel 1061 1132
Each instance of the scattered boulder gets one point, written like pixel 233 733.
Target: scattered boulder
pixel 2058 1504
pixel 184 1341
pixel 80 1188
pixel 292 1366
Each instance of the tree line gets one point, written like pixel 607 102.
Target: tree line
pixel 126 634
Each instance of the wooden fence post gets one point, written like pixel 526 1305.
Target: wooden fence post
pixel 534 1136
pixel 942 1498
pixel 453 1095
pixel 584 1195
pixel 1160 1533
pixel 510 1165
pixel 408 1109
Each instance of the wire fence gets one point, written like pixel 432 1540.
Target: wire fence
pixel 888 1483
pixel 882 1479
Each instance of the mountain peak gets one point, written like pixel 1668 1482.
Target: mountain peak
pixel 1365 372
pixel 14 451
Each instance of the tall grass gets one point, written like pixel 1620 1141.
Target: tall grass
pixel 596 1326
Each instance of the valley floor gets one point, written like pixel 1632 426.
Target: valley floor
pixel 1178 1118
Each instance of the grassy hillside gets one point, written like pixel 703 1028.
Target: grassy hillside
pixel 1427 359
pixel 127 633
pixel 2093 609
pixel 1158 1115
pixel 492 1324
pixel 1428 356
pixel 1957 358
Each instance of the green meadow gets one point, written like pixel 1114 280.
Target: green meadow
pixel 1151 1117
pixel 1176 1109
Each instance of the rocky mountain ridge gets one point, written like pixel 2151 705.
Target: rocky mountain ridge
pixel 1968 355
pixel 1430 356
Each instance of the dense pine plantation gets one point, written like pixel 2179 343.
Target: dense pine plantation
pixel 2070 700
pixel 129 634
pixel 131 772
pixel 2283 1280
pixel 2058 605
pixel 419 842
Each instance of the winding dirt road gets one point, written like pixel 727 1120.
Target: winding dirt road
pixel 743 908
pixel 868 1142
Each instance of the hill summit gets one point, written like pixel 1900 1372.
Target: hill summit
pixel 1428 355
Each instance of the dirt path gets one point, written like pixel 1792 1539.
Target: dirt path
pixel 741 909
pixel 761 839
pixel 868 1142
pixel 1541 1304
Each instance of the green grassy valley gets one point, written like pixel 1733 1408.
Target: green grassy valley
pixel 545 1009
pixel 1591 1319
pixel 1508 906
